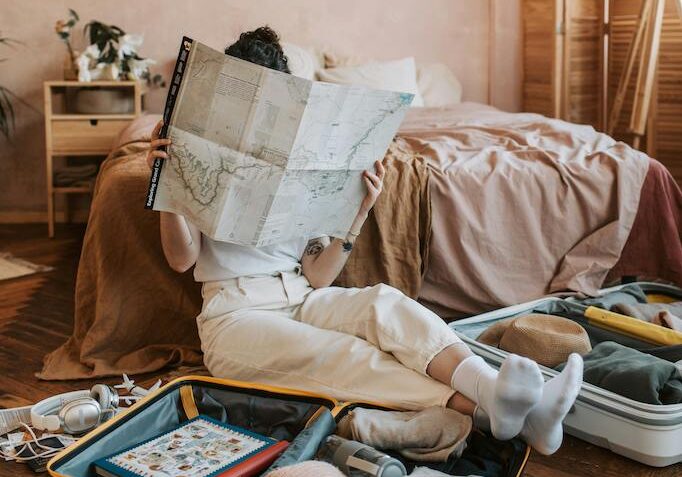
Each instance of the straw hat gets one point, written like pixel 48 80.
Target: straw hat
pixel 546 339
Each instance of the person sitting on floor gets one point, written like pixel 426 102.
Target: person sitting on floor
pixel 270 315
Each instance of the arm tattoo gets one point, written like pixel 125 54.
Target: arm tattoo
pixel 314 247
pixel 347 246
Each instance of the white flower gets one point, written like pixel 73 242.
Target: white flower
pixel 83 71
pixel 129 44
pixel 92 51
pixel 139 67
pixel 85 61
pixel 106 71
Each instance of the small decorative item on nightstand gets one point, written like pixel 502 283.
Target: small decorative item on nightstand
pixel 69 133
pixel 63 29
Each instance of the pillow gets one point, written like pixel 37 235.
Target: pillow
pixel 303 62
pixel 397 75
pixel 438 86
pixel 336 59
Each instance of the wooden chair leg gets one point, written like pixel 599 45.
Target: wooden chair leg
pixel 67 209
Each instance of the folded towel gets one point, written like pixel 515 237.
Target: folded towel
pixel 74 175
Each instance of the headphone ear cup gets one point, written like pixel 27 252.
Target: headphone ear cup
pixel 106 396
pixel 52 423
pixel 80 415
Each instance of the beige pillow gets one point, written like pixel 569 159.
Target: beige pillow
pixel 303 62
pixel 397 75
pixel 335 59
pixel 438 85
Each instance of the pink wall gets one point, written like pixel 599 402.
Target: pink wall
pixel 454 32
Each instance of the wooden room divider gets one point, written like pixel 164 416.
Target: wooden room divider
pixel 576 55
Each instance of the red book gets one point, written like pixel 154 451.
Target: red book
pixel 258 463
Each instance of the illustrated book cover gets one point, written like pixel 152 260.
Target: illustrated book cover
pixel 200 447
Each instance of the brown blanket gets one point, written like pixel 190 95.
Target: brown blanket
pixel 134 314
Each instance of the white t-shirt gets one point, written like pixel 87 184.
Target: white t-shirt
pixel 224 260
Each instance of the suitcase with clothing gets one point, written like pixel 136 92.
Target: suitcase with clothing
pixel 631 341
pixel 302 418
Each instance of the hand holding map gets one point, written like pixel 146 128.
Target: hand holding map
pixel 260 156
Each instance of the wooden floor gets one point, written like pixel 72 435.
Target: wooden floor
pixel 36 316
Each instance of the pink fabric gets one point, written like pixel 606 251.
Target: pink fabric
pixel 137 130
pixel 522 205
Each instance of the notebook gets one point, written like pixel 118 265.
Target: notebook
pixel 200 447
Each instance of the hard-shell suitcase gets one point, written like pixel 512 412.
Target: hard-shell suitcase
pixel 300 417
pixel 648 433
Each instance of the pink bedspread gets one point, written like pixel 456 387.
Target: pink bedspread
pixel 522 205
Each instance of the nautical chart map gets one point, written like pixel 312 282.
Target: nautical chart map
pixel 260 156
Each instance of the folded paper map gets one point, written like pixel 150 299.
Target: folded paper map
pixel 260 156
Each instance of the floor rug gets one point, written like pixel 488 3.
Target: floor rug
pixel 12 267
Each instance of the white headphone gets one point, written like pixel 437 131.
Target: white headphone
pixel 75 412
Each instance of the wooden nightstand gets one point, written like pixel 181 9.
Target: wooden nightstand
pixel 69 133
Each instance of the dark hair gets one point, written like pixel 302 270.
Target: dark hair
pixel 260 46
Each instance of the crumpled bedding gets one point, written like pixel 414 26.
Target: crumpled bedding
pixel 522 205
pixel 481 209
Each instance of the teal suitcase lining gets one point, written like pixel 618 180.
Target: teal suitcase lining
pixel 302 418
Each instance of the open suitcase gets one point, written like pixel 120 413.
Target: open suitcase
pixel 302 418
pixel 648 433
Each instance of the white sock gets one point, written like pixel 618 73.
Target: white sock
pixel 505 396
pixel 543 429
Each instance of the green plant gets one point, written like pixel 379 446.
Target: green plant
pixel 7 97
pixel 111 46
pixel 6 107
pixel 106 37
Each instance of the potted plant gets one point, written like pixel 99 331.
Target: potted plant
pixel 6 107
pixel 8 99
pixel 112 55
pixel 63 29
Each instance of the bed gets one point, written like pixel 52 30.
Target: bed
pixel 481 209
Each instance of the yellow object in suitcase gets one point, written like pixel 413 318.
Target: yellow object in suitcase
pixel 659 298
pixel 633 327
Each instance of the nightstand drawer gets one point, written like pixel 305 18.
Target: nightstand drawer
pixel 85 136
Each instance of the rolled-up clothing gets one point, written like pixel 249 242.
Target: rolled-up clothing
pixel 430 435
pixel 663 314
pixel 71 175
pixel 632 374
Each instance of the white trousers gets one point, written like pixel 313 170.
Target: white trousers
pixel 368 344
